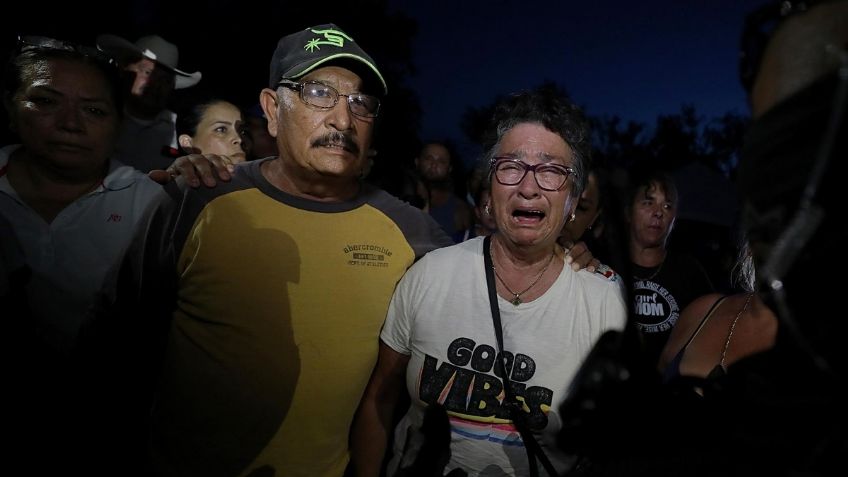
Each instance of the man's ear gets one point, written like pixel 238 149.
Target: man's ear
pixel 270 105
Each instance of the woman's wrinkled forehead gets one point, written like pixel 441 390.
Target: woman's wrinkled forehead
pixel 533 141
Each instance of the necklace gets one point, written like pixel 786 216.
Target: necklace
pixel 516 297
pixel 733 327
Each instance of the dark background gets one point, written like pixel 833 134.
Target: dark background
pixel 658 78
pixel 632 60
pixel 231 42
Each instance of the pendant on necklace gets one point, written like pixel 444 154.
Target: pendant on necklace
pixel 516 300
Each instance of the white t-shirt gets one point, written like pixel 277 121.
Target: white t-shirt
pixel 440 316
pixel 69 257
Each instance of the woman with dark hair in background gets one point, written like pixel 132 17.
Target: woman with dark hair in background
pixel 213 126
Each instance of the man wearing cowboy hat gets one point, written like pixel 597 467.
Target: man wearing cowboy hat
pixel 148 138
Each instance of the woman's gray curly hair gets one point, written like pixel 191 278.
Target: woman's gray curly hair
pixel 553 110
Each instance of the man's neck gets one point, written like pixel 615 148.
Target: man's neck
pixel 441 184
pixel 309 185
pixel 141 112
pixel 439 197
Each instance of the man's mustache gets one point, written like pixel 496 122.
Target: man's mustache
pixel 337 139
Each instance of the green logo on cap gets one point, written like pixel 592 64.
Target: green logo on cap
pixel 331 37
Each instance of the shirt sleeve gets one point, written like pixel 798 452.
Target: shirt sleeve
pixel 397 329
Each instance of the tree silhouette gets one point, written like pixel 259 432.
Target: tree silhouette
pixel 675 140
pixel 617 144
pixel 723 139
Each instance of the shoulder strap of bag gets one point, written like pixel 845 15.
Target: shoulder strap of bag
pixel 516 413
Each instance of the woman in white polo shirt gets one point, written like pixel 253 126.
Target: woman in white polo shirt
pixel 72 208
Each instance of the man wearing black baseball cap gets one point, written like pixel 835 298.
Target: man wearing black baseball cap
pixel 276 283
pixel 298 54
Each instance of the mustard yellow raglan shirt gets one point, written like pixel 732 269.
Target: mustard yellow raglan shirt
pixel 275 321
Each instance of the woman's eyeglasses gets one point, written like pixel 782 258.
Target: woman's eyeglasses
pixel 549 176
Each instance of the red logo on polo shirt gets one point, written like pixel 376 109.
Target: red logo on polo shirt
pixel 114 218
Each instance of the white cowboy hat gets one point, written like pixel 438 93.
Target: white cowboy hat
pixel 153 47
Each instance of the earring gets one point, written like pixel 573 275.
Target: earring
pixel 488 211
pixel 573 216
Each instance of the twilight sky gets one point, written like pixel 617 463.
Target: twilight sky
pixel 635 59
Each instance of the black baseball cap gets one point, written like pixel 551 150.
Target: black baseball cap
pixel 323 45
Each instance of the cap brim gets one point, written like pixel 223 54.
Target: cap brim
pixel 303 69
